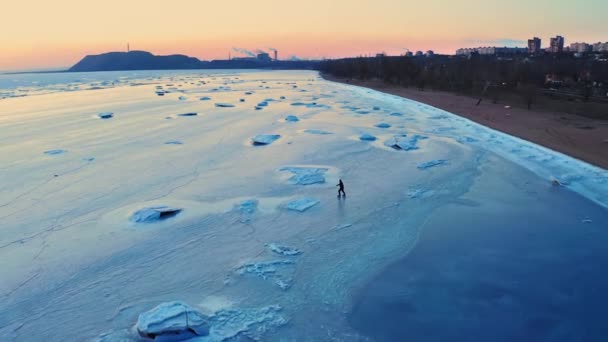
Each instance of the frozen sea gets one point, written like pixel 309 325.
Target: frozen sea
pixel 120 191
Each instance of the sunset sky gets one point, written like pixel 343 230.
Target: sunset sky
pixel 45 34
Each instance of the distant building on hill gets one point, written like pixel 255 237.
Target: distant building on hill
pixel 556 44
pixel 600 47
pixel 580 47
pixel 534 45
pixel 491 51
pixel 264 58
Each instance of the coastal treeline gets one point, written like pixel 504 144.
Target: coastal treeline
pixel 527 78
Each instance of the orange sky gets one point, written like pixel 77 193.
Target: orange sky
pixel 40 34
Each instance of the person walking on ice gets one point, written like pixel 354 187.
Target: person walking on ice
pixel 341 189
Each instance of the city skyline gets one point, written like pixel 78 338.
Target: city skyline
pixel 59 34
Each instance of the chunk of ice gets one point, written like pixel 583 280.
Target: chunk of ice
pixel 264 139
pixel 224 105
pixel 188 114
pixel 171 319
pixel 432 163
pixel 404 143
pixel 317 131
pixel 367 137
pixel 306 175
pixel 54 152
pixel 383 125
pixel 105 115
pixel 302 204
pixel 283 250
pixel 154 214
pixel 291 118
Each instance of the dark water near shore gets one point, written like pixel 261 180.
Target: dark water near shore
pixel 515 260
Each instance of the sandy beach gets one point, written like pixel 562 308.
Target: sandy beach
pixel 580 137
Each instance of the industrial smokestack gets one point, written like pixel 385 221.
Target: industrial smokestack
pixel 276 55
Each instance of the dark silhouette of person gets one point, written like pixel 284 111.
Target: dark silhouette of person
pixel 341 189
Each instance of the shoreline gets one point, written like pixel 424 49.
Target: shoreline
pixel 574 135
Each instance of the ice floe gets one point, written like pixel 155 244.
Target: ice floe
pixel 432 163
pixel 173 319
pixel 302 204
pixel 154 214
pixel 54 152
pixel 404 142
pixel 105 115
pixel 173 142
pixel 305 175
pixel 367 137
pixel 283 250
pixel 224 105
pixel 291 118
pixel 264 139
pixel 188 114
pixel 318 131
pixel 383 125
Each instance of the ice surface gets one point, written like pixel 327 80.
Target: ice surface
pixel 105 115
pixel 302 204
pixel 367 137
pixel 67 243
pixel 264 139
pixel 170 319
pixel 432 163
pixel 154 214
pixel 306 175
